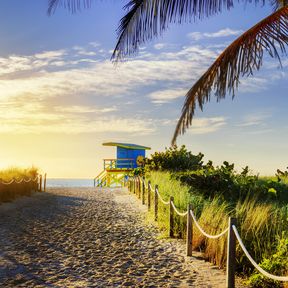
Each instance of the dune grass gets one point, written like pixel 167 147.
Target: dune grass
pixel 18 173
pixel 261 225
pixel 16 182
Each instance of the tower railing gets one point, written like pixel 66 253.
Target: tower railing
pixel 120 163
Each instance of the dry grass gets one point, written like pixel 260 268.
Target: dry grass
pixel 9 192
pixel 18 173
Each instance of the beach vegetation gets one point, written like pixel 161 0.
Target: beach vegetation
pixel 216 193
pixel 16 182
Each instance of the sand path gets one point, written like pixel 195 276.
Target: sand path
pixel 83 237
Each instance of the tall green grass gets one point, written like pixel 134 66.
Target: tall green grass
pixel 10 191
pixel 261 225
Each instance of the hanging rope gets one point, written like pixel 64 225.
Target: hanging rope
pixel 271 276
pixel 7 183
pixel 19 181
pixel 161 199
pixel 182 214
pixel 203 232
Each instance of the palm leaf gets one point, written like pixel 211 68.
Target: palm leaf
pixel 72 5
pixel 241 58
pixel 147 19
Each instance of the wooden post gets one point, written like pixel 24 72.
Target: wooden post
pixel 139 187
pixel 134 186
pixel 143 191
pixel 149 195
pixel 231 255
pixel 171 218
pixel 45 176
pixel 156 203
pixel 108 180
pixel 36 185
pixel 40 183
pixel 189 235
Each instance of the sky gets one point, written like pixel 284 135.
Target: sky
pixel 61 97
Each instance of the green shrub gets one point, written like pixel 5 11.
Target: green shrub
pixel 224 182
pixel 175 159
pixel 277 264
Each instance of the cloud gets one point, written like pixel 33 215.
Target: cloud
pixel 160 46
pixel 83 109
pixel 50 54
pixel 256 119
pixel 207 125
pixel 196 36
pixel 165 96
pixel 35 119
pixel 82 51
pixel 55 90
pixel 253 84
pixel 196 53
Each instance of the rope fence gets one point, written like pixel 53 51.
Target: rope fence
pixel 205 233
pixel 181 214
pixel 265 273
pixel 27 180
pixel 138 186
pixel 161 199
pixel 37 181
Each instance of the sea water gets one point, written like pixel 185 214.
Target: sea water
pixel 62 182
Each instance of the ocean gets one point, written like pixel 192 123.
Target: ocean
pixel 62 182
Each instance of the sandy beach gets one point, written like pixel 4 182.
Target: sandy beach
pixel 87 237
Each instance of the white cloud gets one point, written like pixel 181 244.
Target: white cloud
pixel 35 119
pixel 82 51
pixel 165 96
pixel 207 125
pixel 95 44
pixel 253 84
pixel 196 36
pixel 50 54
pixel 83 109
pixel 159 46
pixel 256 119
pixel 61 85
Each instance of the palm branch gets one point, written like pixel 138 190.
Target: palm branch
pixel 72 5
pixel 146 19
pixel 241 58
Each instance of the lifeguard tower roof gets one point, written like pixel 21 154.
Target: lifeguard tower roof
pixel 127 146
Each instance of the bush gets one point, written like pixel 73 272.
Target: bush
pixel 175 159
pixel 226 183
pixel 277 264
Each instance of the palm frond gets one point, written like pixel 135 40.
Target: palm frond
pixel 71 5
pixel 147 19
pixel 241 58
pixel 277 4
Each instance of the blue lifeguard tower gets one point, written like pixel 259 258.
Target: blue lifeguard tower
pixel 128 157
